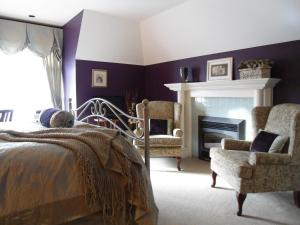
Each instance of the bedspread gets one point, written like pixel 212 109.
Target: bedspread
pixel 54 165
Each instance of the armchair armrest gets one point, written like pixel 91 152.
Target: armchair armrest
pixel 177 132
pixel 264 158
pixel 231 144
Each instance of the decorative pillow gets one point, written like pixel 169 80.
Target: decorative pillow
pixel 46 115
pixel 268 142
pixel 62 119
pixel 278 144
pixel 158 126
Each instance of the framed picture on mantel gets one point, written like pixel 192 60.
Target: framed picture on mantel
pixel 99 78
pixel 219 69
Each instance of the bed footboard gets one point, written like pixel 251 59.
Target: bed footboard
pixel 97 108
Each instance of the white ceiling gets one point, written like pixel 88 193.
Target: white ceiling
pixel 59 12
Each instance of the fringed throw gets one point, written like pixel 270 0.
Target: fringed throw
pixel 114 183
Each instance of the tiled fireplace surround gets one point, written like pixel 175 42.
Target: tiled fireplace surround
pixel 219 98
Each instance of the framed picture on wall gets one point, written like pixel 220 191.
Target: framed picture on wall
pixel 219 69
pixel 99 78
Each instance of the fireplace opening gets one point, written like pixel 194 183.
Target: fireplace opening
pixel 213 129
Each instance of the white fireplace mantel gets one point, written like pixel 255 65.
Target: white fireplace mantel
pixel 261 90
pixel 225 84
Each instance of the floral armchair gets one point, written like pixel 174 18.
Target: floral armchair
pixel 253 172
pixel 163 145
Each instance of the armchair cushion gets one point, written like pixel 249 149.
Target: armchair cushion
pixel 231 162
pixel 164 141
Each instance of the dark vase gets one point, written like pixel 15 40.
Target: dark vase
pixel 184 72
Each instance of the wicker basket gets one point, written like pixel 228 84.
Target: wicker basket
pixel 255 73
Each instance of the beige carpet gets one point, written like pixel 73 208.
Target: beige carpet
pixel 186 198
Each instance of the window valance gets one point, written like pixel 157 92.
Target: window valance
pixel 15 36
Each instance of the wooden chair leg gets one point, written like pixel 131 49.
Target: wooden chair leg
pixel 297 198
pixel 214 177
pixel 240 199
pixel 178 159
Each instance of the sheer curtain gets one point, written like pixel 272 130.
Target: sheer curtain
pixel 24 86
pixel 46 42
pixel 53 67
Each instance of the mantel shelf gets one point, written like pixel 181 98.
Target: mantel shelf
pixel 250 84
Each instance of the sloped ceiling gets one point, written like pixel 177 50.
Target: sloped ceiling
pixel 205 27
pixel 57 12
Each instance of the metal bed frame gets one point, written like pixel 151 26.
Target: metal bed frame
pixel 97 108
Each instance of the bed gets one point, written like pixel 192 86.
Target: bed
pixel 54 176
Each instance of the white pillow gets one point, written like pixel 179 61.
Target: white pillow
pixel 278 144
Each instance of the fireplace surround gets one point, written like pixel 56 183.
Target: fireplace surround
pixel 260 90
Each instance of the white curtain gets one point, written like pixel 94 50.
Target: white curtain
pixel 47 42
pixel 53 67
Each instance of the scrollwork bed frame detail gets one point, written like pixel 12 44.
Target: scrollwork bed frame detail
pixel 96 108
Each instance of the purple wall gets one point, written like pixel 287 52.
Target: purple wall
pixel 120 78
pixel 71 35
pixel 77 74
pixel 287 68
pixel 150 79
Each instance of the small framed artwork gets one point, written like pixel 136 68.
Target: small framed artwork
pixel 99 78
pixel 219 69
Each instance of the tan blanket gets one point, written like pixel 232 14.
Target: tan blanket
pixel 111 183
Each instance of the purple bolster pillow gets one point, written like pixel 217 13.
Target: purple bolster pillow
pixel 46 115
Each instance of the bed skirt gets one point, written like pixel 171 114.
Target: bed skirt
pixel 50 214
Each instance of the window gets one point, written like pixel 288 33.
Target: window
pixel 23 84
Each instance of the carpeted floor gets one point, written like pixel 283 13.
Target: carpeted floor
pixel 186 198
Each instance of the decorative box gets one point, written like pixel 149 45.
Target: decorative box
pixel 255 73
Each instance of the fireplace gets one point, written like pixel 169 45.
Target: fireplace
pixel 259 90
pixel 213 129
